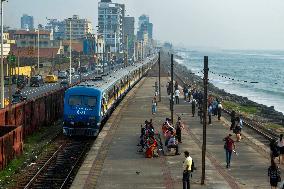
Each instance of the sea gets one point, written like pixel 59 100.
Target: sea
pixel 257 75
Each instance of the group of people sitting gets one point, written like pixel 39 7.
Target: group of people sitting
pixel 172 135
pixel 148 140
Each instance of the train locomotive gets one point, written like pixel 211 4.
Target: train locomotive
pixel 88 104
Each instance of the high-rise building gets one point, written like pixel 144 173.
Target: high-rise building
pixel 110 21
pixel 129 34
pixel 144 26
pixel 150 30
pixel 27 22
pixel 58 28
pixel 143 19
pixel 80 28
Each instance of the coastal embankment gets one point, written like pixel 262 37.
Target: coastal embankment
pixel 260 113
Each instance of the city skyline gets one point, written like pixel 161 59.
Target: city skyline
pixel 222 24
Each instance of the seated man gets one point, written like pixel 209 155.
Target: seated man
pixel 173 143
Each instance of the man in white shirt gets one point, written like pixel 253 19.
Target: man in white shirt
pixel 177 92
pixel 186 170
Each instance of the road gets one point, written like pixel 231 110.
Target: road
pixel 33 92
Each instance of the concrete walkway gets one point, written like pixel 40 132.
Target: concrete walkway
pixel 114 163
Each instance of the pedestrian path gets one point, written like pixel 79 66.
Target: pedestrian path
pixel 114 163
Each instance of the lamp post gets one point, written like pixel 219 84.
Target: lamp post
pixel 115 42
pixel 2 60
pixel 142 49
pixel 70 55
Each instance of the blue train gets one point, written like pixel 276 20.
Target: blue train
pixel 88 104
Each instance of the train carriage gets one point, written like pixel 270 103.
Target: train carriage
pixel 88 104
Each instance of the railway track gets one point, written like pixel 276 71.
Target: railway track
pixel 58 170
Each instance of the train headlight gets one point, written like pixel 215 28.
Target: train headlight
pixel 72 123
pixel 88 124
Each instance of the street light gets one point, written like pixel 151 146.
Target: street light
pixel 2 98
pixel 70 58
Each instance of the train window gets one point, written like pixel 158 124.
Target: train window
pixel 75 100
pixel 90 101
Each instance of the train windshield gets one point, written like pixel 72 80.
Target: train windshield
pixel 90 101
pixel 80 100
pixel 75 100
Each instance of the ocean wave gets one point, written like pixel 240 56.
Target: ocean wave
pixel 265 69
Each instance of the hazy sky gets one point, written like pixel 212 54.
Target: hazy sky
pixel 237 24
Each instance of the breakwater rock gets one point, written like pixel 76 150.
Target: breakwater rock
pixel 264 113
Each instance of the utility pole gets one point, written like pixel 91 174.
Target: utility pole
pixel 115 48
pixel 104 58
pixel 80 70
pixel 70 59
pixel 142 49
pixel 18 65
pixel 11 60
pixel 2 60
pixel 38 50
pixel 126 50
pixel 10 83
pixel 172 88
pixel 159 61
pixel 205 83
pixel 134 53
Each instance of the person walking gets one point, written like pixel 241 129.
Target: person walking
pixel 233 120
pixel 210 111
pixel 215 107
pixel 237 129
pixel 176 85
pixel 219 110
pixel 179 127
pixel 229 147
pixel 186 171
pixel 274 174
pixel 280 145
pixel 185 92
pixel 154 105
pixel 177 93
pixel 274 150
pixel 193 107
pixel 168 88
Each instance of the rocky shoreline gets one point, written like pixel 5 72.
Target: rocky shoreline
pixel 264 114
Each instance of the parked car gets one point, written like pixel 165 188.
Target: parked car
pixel 23 79
pixel 36 81
pixel 64 83
pixel 62 74
pixel 99 69
pixel 84 69
pixel 51 79
pixel 16 98
pixel 72 71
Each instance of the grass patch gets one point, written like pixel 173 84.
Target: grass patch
pixel 33 146
pixel 251 110
pixel 273 126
